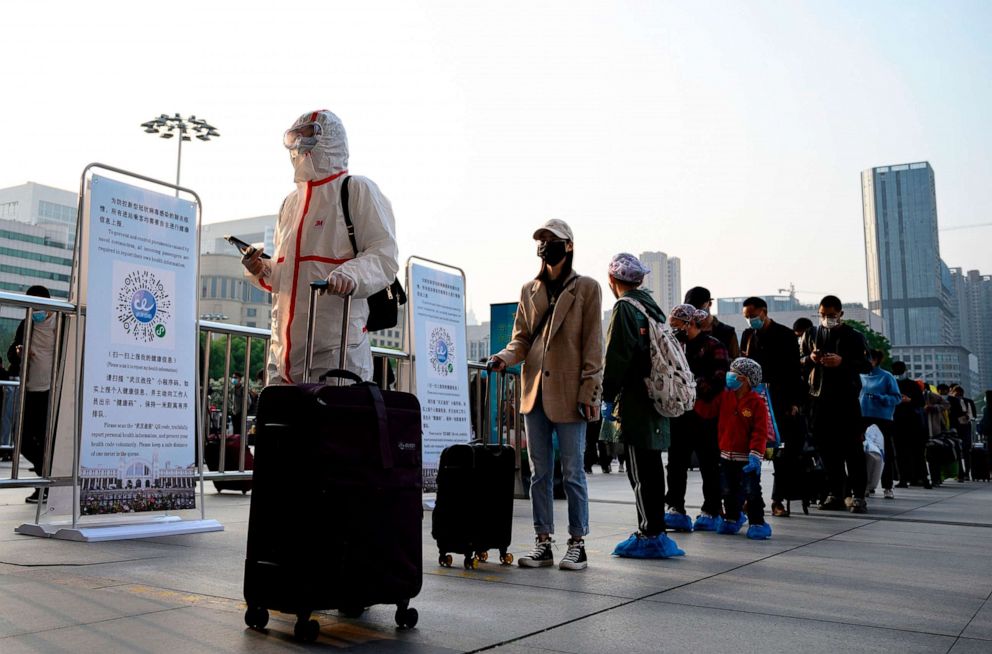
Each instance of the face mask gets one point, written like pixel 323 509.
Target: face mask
pixel 829 323
pixel 234 381
pixel 756 323
pixel 681 335
pixel 303 169
pixel 733 381
pixel 553 252
pixel 38 316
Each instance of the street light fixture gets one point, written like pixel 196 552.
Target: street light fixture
pixel 168 126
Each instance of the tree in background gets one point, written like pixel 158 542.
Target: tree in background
pixel 875 341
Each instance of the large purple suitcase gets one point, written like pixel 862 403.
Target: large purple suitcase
pixel 336 507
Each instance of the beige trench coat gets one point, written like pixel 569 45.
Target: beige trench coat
pixel 568 367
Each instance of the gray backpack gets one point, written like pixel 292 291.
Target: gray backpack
pixel 671 384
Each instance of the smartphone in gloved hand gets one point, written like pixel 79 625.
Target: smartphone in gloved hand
pixel 246 249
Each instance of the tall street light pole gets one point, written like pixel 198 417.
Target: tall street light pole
pixel 169 126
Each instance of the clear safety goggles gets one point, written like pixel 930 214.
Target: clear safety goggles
pixel 302 138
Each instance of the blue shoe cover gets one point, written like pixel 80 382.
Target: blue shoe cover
pixel 664 546
pixel 649 547
pixel 706 522
pixel 729 528
pixel 623 548
pixel 759 532
pixel 678 521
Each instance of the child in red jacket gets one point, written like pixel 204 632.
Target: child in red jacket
pixel 742 425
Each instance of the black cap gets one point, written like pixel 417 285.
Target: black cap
pixel 697 296
pixel 38 291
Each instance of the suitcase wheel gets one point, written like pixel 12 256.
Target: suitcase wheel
pixel 471 563
pixel 506 558
pixel 445 560
pixel 306 629
pixel 256 617
pixel 482 556
pixel 406 617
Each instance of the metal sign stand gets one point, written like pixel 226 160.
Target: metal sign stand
pixel 124 526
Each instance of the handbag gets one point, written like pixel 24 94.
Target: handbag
pixel 384 305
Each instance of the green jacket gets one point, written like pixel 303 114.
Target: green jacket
pixel 628 362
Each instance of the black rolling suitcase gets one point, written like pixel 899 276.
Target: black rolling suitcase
pixel 232 450
pixel 980 462
pixel 473 511
pixel 336 507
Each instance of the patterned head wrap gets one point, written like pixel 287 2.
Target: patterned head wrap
pixel 749 368
pixel 689 313
pixel 625 267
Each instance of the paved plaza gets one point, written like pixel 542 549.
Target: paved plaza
pixel 914 575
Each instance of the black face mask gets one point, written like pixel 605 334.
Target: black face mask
pixel 681 335
pixel 553 252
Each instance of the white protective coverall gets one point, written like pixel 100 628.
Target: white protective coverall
pixel 311 241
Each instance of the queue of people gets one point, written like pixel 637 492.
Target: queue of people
pixel 783 393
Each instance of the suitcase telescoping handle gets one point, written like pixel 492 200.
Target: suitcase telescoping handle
pixel 500 402
pixel 315 287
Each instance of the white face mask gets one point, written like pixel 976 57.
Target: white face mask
pixel 303 169
pixel 829 323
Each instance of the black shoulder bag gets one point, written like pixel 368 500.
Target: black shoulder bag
pixel 384 305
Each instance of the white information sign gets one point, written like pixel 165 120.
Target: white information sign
pixel 437 307
pixel 139 395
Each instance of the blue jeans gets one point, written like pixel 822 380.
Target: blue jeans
pixel 572 441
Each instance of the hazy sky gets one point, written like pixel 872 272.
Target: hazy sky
pixel 730 134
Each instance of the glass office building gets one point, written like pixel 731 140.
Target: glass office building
pixel 908 284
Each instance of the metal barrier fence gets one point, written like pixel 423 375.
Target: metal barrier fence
pixel 61 310
pixel 214 434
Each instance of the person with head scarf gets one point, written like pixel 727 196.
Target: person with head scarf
pixel 709 362
pixel 558 335
pixel 643 431
pixel 312 242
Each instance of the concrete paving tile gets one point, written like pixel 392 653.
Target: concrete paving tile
pixel 650 627
pixel 896 587
pixel 969 646
pixel 981 625
pixel 27 551
pixel 464 614
pixel 28 606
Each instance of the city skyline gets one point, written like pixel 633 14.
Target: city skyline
pixel 730 133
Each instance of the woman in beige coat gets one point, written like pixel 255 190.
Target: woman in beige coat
pixel 558 334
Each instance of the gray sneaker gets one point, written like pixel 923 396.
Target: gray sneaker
pixel 539 557
pixel 575 557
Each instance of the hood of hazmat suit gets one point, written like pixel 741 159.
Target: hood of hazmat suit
pixel 311 241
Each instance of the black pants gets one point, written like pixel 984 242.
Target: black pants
pixel 35 423
pixel 597 451
pixel 646 473
pixel 839 436
pixel 910 442
pixel 690 433
pixel 737 485
pixel 787 461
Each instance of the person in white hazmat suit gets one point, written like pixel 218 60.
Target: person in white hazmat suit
pixel 311 243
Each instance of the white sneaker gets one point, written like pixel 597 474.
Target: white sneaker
pixel 888 494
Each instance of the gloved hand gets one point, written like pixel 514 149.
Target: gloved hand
pixel 753 464
pixel 607 411
pixel 339 283
pixel 253 262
